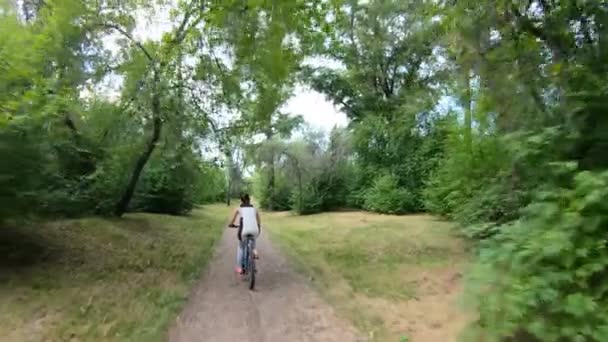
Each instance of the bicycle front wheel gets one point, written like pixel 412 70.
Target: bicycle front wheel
pixel 251 267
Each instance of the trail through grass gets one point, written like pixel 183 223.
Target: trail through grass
pixel 396 277
pixel 102 279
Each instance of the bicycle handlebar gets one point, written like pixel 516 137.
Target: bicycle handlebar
pixel 233 226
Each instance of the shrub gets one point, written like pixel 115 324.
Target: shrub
pixel 545 275
pixel 310 201
pixel 385 196
pixel 211 185
pixel 168 185
pixel 281 197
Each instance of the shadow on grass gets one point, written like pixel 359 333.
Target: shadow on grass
pixel 133 223
pixel 23 249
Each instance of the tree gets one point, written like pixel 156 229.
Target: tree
pixel 83 142
pixel 386 87
pixel 157 63
pixel 533 61
pixel 312 174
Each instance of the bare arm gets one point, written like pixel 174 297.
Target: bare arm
pixel 236 213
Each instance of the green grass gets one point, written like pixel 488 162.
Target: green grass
pixel 102 279
pixel 374 268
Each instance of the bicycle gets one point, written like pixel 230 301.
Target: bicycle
pixel 247 259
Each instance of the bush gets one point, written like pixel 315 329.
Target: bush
pixel 310 201
pixel 489 206
pixel 280 199
pixel 19 172
pixel 168 185
pixel 443 195
pixel 544 276
pixel 327 191
pixel 478 189
pixel 211 185
pixel 385 196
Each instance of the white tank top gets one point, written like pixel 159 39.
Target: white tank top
pixel 249 221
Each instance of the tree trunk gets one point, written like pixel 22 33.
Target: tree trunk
pixel 271 174
pixel 157 124
pixel 468 112
pixel 123 204
pixel 299 188
pixel 228 156
pixel 228 193
pixel 271 184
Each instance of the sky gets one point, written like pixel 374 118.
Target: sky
pixel 316 110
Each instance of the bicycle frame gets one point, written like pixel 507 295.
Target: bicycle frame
pixel 247 259
pixel 248 262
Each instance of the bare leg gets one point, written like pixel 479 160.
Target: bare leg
pixel 255 250
pixel 239 257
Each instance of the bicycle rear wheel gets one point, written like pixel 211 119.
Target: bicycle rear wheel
pixel 250 266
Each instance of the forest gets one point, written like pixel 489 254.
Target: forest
pixel 490 114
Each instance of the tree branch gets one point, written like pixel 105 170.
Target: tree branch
pixel 527 25
pixel 127 35
pixel 67 120
pixel 213 125
pixel 181 29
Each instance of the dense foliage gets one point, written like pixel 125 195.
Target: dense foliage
pixel 544 276
pixel 387 90
pixel 95 119
pixel 539 68
pixel 489 113
pixel 311 173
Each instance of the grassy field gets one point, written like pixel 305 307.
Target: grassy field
pixel 397 278
pixel 101 279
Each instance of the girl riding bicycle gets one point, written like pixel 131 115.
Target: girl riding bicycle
pixel 249 224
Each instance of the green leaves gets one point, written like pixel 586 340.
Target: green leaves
pixel 385 196
pixel 550 269
pixel 309 175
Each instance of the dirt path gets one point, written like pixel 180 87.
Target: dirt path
pixel 283 308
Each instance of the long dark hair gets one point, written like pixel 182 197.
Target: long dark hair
pixel 245 199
